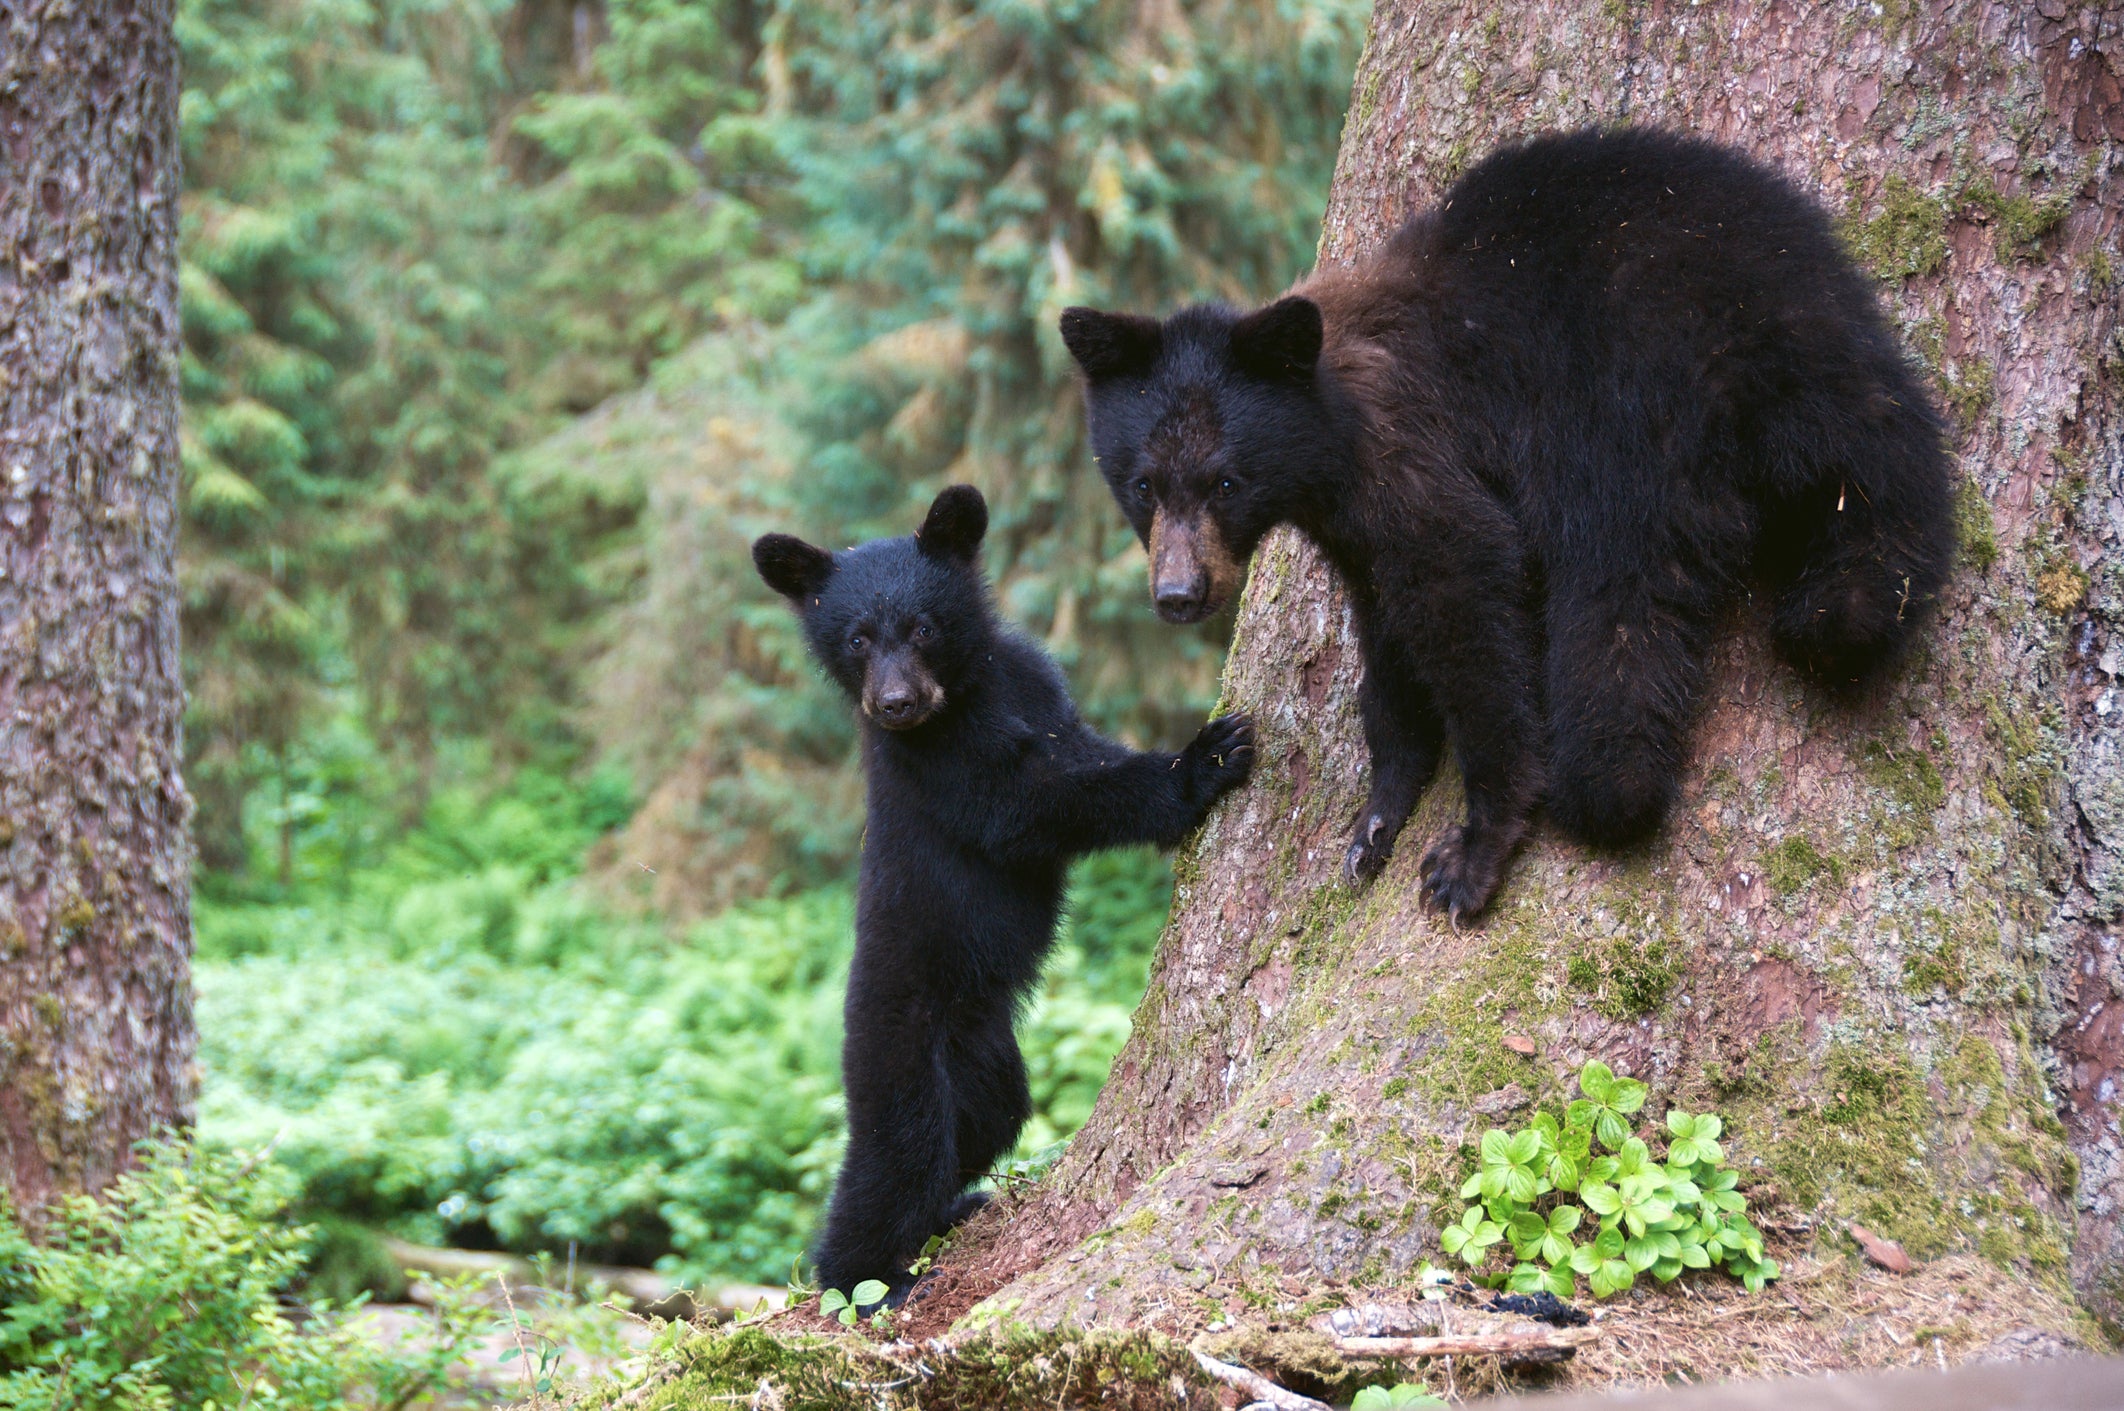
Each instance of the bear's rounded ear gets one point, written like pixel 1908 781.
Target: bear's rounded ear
pixel 793 568
pixel 1111 345
pixel 956 521
pixel 1280 343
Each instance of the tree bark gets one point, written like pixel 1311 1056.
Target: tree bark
pixel 96 1036
pixel 1881 940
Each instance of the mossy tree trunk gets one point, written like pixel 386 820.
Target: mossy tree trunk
pixel 1881 940
pixel 96 1033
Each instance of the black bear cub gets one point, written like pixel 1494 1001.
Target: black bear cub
pixel 1546 434
pixel 982 785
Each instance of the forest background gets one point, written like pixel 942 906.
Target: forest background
pixel 524 828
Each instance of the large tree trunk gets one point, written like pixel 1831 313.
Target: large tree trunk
pixel 1881 940
pixel 96 1032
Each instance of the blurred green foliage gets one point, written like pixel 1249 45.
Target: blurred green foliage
pixel 421 237
pixel 524 824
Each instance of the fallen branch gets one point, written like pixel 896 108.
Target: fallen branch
pixel 649 1291
pixel 1257 1386
pixel 1510 1346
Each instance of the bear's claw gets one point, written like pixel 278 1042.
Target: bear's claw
pixel 1369 851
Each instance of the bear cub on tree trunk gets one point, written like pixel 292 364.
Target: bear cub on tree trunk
pixel 1546 434
pixel 982 785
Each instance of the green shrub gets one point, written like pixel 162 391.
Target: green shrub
pixel 1533 1190
pixel 485 1058
pixel 164 1293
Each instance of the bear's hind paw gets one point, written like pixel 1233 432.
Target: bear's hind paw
pixel 1454 880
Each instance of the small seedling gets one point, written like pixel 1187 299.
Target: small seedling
pixel 845 1306
pixel 1532 1190
pixel 927 1260
pixel 1394 1398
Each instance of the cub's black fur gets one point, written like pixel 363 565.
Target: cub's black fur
pixel 1547 434
pixel 982 784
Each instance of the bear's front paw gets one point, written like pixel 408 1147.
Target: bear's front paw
pixel 1369 849
pixel 1220 757
pixel 1456 879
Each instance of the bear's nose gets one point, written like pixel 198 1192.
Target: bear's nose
pixel 895 703
pixel 1178 598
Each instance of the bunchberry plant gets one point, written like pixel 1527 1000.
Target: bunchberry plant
pixel 1584 1198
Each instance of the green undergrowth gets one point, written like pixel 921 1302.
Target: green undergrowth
pixel 452 1038
pixel 176 1289
pixel 1004 1372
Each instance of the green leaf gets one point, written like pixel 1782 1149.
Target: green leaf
pixel 1599 1198
pixel 1560 1281
pixel 868 1292
pixel 1667 1270
pixel 1597 1081
pixel 1611 1278
pixel 1564 1219
pixel 1523 1148
pixel 832 1300
pixel 1629 1095
pixel 1610 1128
pixel 1694 1257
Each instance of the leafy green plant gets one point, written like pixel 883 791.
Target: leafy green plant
pixel 845 1306
pixel 1394 1398
pixel 1533 1191
pixel 164 1292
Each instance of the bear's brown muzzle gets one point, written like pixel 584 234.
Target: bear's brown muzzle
pixel 1192 572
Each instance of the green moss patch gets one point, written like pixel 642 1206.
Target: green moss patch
pixel 1909 236
pixel 1973 527
pixel 1796 864
pixel 808 1372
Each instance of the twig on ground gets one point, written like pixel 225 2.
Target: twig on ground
pixel 1506 1345
pixel 1257 1386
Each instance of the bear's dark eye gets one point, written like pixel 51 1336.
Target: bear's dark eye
pixel 1143 487
pixel 922 633
pixel 858 642
pixel 1225 488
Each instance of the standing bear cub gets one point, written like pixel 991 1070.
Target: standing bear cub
pixel 982 785
pixel 1546 435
